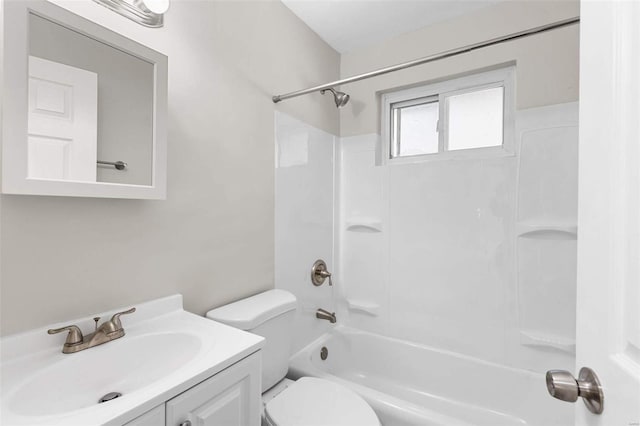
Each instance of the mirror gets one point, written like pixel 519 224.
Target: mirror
pixel 89 105
pixel 86 108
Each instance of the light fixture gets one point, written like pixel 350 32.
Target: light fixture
pixel 159 7
pixel 149 13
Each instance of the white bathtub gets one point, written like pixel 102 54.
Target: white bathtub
pixel 411 384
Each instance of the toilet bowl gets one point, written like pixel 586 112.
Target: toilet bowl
pixel 308 401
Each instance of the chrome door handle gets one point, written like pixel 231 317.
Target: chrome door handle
pixel 563 386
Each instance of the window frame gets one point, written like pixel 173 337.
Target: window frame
pixel 440 92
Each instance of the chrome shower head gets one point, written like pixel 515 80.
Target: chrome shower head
pixel 340 98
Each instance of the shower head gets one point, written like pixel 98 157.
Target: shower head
pixel 340 98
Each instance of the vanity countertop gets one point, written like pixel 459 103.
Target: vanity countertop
pixel 166 350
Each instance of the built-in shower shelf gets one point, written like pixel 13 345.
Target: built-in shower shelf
pixel 363 306
pixel 533 338
pixel 547 231
pixel 364 225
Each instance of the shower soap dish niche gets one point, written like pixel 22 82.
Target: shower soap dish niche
pixel 364 224
pixel 559 231
pixel 363 306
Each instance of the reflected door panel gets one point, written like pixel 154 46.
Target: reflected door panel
pixel 63 117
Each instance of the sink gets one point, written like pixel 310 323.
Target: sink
pixel 165 351
pixel 79 380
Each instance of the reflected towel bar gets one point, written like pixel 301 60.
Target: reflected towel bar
pixel 120 165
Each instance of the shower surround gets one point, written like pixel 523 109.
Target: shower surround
pixel 437 266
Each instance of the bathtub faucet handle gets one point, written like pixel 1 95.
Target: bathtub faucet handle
pixel 319 273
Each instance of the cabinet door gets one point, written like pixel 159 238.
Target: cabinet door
pixel 231 397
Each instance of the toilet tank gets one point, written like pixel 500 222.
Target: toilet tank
pixel 270 315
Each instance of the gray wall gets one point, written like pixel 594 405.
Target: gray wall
pixel 213 238
pixel 546 64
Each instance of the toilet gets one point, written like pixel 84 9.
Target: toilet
pixel 308 401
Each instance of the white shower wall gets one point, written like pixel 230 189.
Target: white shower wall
pixel 452 254
pixel 428 250
pixel 304 219
pixel 442 261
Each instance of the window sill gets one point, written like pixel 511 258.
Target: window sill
pixel 462 154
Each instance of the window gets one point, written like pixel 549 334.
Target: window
pixel 459 117
pixel 415 127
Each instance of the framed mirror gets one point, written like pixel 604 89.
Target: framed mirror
pixel 84 108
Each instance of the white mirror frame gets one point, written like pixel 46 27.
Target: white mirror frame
pixel 15 97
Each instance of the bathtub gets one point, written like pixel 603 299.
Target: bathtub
pixel 409 384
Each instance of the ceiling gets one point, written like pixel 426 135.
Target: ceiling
pixel 348 25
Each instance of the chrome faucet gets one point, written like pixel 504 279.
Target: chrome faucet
pixel 108 331
pixel 326 315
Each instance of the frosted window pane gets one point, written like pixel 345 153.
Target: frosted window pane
pixel 416 129
pixel 475 119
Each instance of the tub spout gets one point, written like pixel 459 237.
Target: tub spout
pixel 325 315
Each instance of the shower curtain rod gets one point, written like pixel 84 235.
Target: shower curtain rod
pixel 431 58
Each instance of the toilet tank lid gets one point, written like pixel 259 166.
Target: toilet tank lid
pixel 247 314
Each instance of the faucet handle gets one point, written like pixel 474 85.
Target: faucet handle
pixel 73 338
pixel 319 273
pixel 115 319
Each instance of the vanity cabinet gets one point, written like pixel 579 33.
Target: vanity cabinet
pixel 230 398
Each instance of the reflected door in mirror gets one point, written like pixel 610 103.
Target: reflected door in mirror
pixel 125 98
pixel 62 122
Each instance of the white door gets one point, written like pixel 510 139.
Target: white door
pixel 608 299
pixel 63 122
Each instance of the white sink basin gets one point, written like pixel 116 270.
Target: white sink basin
pixel 164 352
pixel 125 365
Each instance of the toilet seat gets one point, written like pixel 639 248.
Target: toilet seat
pixel 317 402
